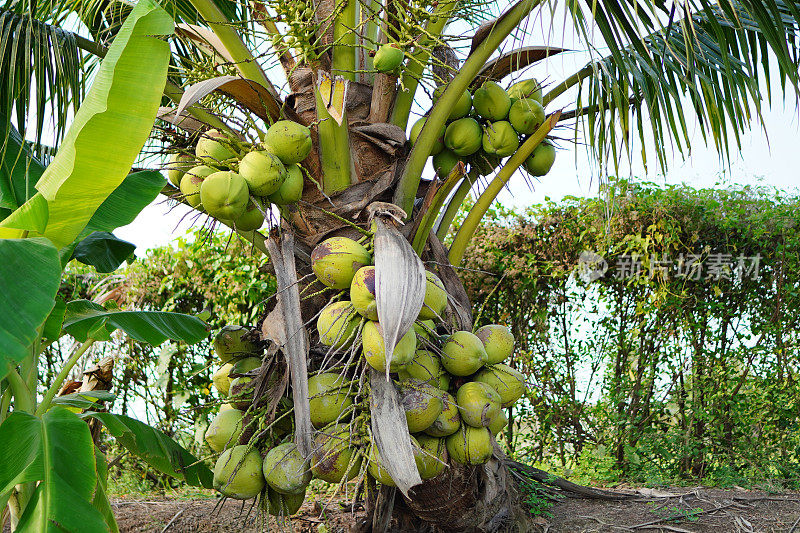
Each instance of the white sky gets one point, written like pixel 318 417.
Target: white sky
pixel 768 156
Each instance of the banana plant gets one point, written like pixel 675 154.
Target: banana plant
pixel 292 117
pixel 52 475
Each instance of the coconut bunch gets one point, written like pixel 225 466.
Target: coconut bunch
pixel 453 385
pixel 236 182
pixel 489 125
pixel 255 458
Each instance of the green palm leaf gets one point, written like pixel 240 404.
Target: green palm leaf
pixel 714 58
pixel 42 69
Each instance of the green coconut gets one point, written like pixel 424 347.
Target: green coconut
pixel 500 138
pixel 437 147
pixel 224 430
pixel 526 115
pixel 374 349
pixel 388 58
pixel 291 190
pixel 526 89
pixel 288 140
pixel 435 301
pixel 241 393
pixel 462 107
pixel 425 367
pixel 508 382
pixel 191 182
pixel 470 445
pixel 327 398
pixel 285 469
pixel 491 101
pixel 177 165
pixel 431 456
pixel 498 423
pixel 541 160
pixel 251 220
pixel 337 324
pixel 335 261
pixel 443 163
pixel 221 380
pixel 234 342
pixel 362 293
pixel 243 366
pixel 463 136
pixel 478 403
pixel 214 148
pixel 448 420
pixel 333 458
pixel 224 195
pixel 421 402
pixel 463 354
pixel 263 172
pixel 284 504
pixel 498 341
pixel 238 473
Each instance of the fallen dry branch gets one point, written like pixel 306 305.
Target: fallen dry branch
pixel 549 479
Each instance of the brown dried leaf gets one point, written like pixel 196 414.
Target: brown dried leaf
pixel 500 67
pixel 399 284
pixel 390 433
pixel 249 93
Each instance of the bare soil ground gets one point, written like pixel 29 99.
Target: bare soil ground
pixel 676 510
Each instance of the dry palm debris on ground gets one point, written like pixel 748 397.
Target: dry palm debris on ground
pixel 676 510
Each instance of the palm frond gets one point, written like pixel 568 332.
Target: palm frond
pixel 716 59
pixel 43 75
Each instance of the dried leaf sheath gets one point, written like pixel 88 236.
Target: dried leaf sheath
pixel 296 342
pixel 399 285
pixel 390 433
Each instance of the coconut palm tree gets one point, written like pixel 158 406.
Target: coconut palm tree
pixel 353 72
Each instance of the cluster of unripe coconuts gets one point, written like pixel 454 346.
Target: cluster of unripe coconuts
pixel 227 178
pixel 453 387
pixel 488 125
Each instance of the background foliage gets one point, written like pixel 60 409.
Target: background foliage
pixel 651 377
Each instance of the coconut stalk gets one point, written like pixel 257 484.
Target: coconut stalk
pixel 344 37
pixel 443 225
pixel 502 28
pixel 431 215
pixel 334 137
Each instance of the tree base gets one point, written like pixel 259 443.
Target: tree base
pixel 471 499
